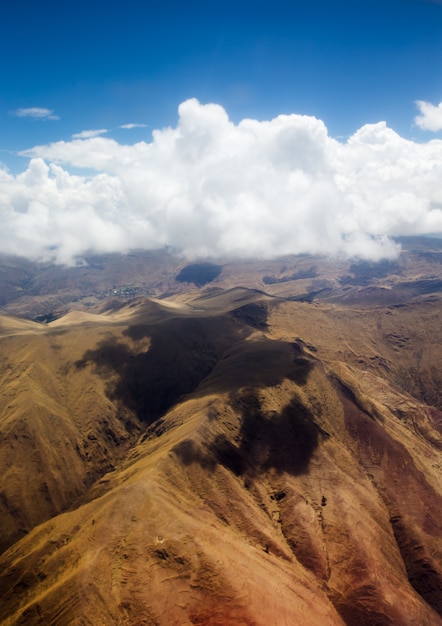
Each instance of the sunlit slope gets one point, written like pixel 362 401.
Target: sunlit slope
pixel 399 343
pixel 59 430
pixel 267 468
pixel 76 393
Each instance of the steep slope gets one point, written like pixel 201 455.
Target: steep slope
pixel 267 466
pixel 77 393
pixel 59 430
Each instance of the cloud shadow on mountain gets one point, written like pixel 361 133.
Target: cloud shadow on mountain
pixel 284 442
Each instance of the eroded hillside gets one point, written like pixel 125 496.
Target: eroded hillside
pixel 224 457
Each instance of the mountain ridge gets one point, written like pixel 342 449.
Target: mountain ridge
pixel 222 457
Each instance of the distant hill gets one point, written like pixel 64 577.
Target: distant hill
pixel 43 291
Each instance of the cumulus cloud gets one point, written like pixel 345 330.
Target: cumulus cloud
pixel 37 113
pixel 131 126
pixel 430 117
pixel 210 187
pixel 88 134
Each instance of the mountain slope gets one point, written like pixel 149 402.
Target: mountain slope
pixel 234 459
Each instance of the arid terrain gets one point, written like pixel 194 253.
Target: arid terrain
pixel 222 444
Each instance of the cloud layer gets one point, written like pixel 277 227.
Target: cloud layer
pixel 88 134
pixel 37 113
pixel 212 188
pixel 131 126
pixel 430 117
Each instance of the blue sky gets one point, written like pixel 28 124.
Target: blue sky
pixel 88 90
pixel 100 65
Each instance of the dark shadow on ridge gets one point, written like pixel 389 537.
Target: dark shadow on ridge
pixel 282 441
pixel 258 362
pixel 182 352
pixel 253 314
pixel 200 355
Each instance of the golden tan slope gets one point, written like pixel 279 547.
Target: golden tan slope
pixel 58 428
pixel 282 480
pixel 16 326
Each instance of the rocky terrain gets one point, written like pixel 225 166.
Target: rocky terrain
pixel 251 443
pixel 43 291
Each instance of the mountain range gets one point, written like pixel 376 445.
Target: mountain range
pixel 222 443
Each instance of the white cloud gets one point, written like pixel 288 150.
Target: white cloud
pixel 131 126
pixel 430 117
pixel 212 188
pixel 36 113
pixel 88 134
